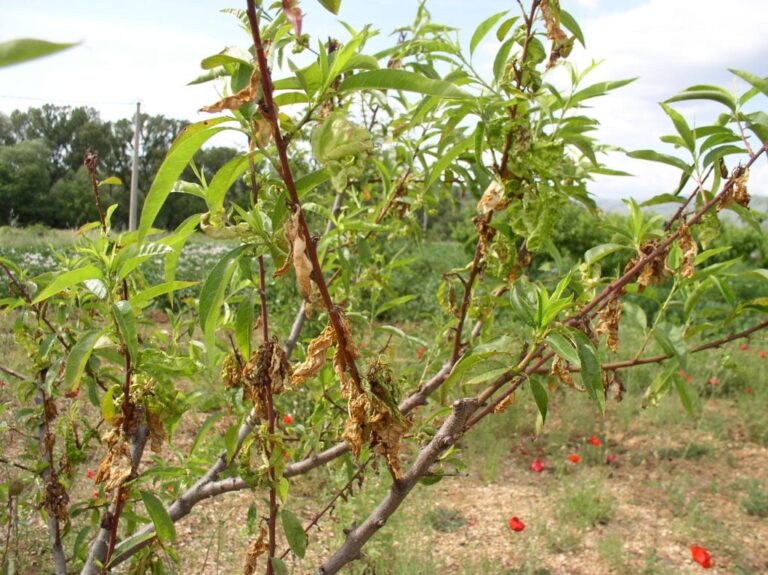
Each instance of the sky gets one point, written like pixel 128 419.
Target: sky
pixel 149 50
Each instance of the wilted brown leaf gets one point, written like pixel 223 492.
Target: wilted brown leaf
pixel 115 468
pixel 248 94
pixel 738 191
pixel 297 255
pixel 610 316
pixel 560 370
pixel 689 250
pixel 505 403
pixel 493 198
pixel 655 270
pixel 257 548
pixel 156 430
pixel 316 356
pixel 267 369
pixel 56 502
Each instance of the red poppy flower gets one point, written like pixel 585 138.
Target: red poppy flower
pixel 688 378
pixel 287 419
pixel 574 458
pixel 713 381
pixel 90 474
pixel 595 440
pixel 744 347
pixel 516 525
pixel 420 351
pixel 537 466
pixel 610 458
pixel 748 390
pixel 763 354
pixel 701 556
pixel 95 494
pixel 681 373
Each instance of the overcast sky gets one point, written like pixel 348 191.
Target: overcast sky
pixel 148 51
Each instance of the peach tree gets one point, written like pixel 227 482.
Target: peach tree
pixel 346 150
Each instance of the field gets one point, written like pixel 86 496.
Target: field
pixel 647 483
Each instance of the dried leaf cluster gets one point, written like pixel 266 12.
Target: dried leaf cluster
pixel 737 193
pixel 116 467
pixel 266 372
pixel 654 271
pixel 561 370
pixel 561 43
pixel 689 250
pixel 610 317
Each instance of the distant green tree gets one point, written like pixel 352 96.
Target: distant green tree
pixel 24 183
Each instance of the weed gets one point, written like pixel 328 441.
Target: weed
pixel 588 506
pixel 446 519
pixel 756 503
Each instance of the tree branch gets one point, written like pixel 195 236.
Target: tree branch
pixel 446 436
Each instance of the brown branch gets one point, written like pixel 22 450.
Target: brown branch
pixel 14 373
pixel 270 112
pixel 358 476
pixel 91 162
pixel 678 214
pixel 446 436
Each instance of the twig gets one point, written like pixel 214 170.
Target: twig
pixel 270 113
pixel 14 373
pixel 446 436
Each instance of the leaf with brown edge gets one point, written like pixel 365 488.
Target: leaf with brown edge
pixel 156 430
pixel 610 317
pixel 248 94
pixel 316 356
pixel 256 550
pixel 689 251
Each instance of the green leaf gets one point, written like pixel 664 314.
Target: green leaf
pixel 203 431
pixel 283 485
pixel 177 158
pixel 597 253
pixel 126 323
pixel 720 152
pixel 659 386
pixel 244 323
pixel 111 181
pixel 394 303
pixel 78 358
pixel 714 93
pixel 25 49
pixel 599 89
pixel 591 371
pixel 144 297
pixel 294 533
pixel 388 79
pixel 212 294
pixel 500 61
pixel 483 29
pixel 654 156
pixel 223 180
pixel 307 183
pixel 67 280
pixel 446 159
pixel 108 404
pixel 277 563
pixel 564 347
pixel 759 83
pixel 540 396
pixel 570 24
pixel 685 397
pixel 681 126
pixel 166 531
pixel 332 6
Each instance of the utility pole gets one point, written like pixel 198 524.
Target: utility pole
pixel 133 209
